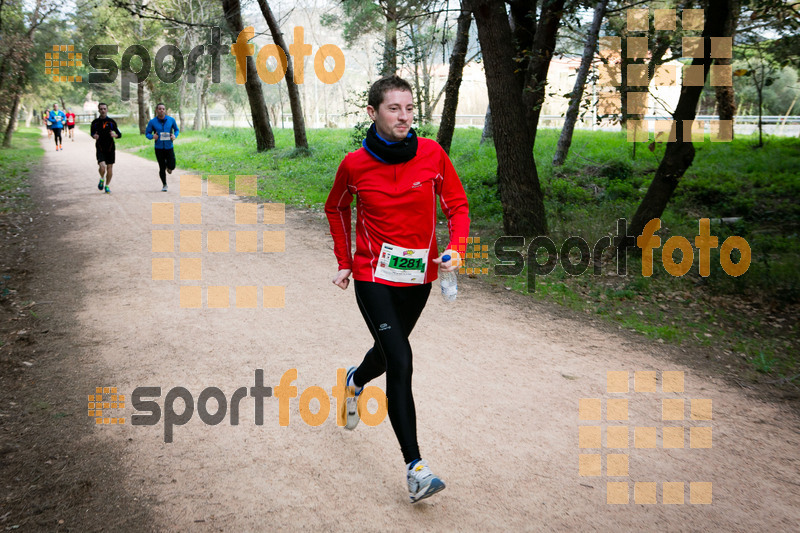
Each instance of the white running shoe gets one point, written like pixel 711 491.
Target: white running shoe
pixel 422 483
pixel 164 188
pixel 351 401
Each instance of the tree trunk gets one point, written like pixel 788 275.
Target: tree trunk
pixel 518 181
pixel 726 98
pixel 206 120
pixel 454 77
pixel 544 43
pixel 389 63
pixel 12 118
pixel 198 112
pixel 298 121
pixel 679 154
pixel 589 49
pixel 265 140
pixel 488 132
pixel 181 95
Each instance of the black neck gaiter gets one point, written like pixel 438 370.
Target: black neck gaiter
pixel 399 152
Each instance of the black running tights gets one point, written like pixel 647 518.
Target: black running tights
pixel 166 160
pixel 391 313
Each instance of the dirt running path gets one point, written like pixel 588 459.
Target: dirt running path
pixel 497 384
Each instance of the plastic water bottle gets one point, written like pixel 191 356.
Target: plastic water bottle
pixel 449 282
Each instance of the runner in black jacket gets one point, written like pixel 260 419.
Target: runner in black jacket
pixel 104 130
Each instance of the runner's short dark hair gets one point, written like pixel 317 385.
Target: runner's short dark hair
pixel 102 103
pixel 161 103
pixel 387 83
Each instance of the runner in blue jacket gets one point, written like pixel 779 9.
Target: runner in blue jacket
pixel 164 130
pixel 57 119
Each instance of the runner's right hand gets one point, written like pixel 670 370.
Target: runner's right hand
pixel 342 279
pixel 96 136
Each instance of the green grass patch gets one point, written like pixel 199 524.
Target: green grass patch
pixel 16 164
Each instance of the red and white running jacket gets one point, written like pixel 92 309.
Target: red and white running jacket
pixel 396 204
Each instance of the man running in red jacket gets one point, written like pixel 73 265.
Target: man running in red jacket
pixel 396 178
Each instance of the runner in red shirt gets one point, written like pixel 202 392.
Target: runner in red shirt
pixel 396 178
pixel 71 124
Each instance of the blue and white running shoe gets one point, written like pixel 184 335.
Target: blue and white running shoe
pixel 422 483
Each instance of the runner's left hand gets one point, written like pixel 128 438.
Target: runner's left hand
pixel 449 266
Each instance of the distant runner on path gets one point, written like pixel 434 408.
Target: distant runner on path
pixel 71 124
pixel 57 120
pixel 164 130
pixel 104 130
